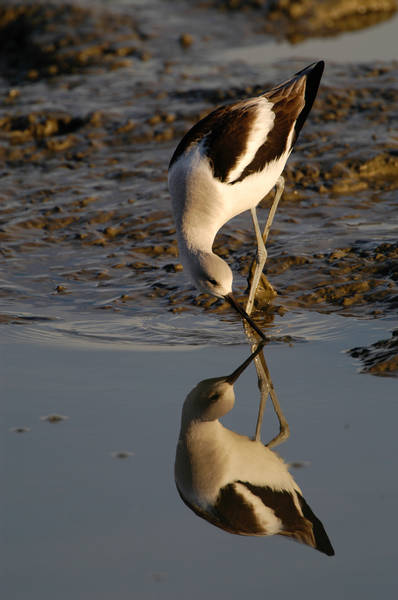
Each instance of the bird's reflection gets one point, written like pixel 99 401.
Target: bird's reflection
pixel 238 483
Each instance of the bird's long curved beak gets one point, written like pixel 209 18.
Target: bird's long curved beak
pixel 235 304
pixel 234 376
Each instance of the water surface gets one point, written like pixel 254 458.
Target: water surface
pixel 80 522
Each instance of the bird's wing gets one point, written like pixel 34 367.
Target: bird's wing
pixel 223 135
pixel 243 138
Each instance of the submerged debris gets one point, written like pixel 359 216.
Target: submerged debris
pixel 122 454
pixel 54 418
pixel 381 358
pixel 20 429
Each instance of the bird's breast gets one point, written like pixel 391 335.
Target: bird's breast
pixel 202 204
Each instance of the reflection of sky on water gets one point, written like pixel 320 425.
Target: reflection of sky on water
pixel 374 43
pixel 80 523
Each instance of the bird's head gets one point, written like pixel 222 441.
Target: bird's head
pixel 212 275
pixel 215 397
pixel 209 400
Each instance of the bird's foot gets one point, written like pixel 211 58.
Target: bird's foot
pixel 265 291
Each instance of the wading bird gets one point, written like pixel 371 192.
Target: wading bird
pixel 234 482
pixel 225 165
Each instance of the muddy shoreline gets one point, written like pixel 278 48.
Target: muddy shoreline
pixel 91 108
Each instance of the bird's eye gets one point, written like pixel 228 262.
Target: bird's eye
pixel 213 282
pixel 214 397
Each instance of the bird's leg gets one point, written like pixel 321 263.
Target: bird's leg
pixel 264 391
pixel 262 240
pixel 262 383
pixel 260 262
pixel 284 431
pixel 266 388
pixel 280 186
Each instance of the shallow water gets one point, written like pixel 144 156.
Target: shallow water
pixel 373 43
pixel 81 241
pixel 98 325
pixel 80 522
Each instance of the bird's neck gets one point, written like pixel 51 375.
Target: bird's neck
pixel 196 214
pixel 201 460
pixel 196 233
pixel 203 440
pixel 193 247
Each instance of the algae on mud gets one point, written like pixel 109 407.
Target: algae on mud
pixel 45 40
pixel 88 123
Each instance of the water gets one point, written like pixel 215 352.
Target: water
pixel 80 522
pixel 373 43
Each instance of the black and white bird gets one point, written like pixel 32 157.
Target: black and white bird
pixel 234 482
pixel 225 165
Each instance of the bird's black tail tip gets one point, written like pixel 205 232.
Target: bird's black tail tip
pixel 316 69
pixel 322 542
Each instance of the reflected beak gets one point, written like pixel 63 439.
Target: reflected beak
pixel 235 304
pixel 234 376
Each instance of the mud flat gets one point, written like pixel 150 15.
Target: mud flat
pixel 91 107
